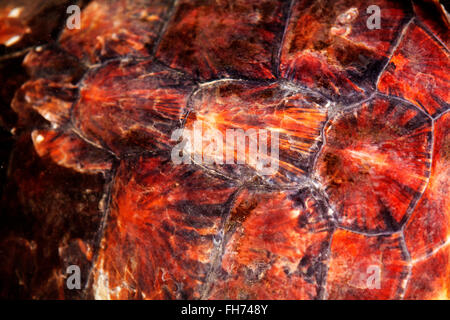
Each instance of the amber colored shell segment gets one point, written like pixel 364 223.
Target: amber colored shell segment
pixel 363 267
pixel 418 72
pixel 429 225
pixel 213 39
pixel 277 248
pixel 329 47
pixel 160 239
pixel 375 164
pixel 116 28
pixel 70 151
pixel 26 23
pixel 430 277
pixel 296 117
pixel 129 106
pixel 52 100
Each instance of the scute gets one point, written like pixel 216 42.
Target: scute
pixel 297 117
pixel 328 46
pixel 355 262
pixel 429 225
pixel 418 73
pixel 215 39
pixel 53 220
pixel 52 100
pixel 375 163
pixel 434 16
pixel 131 106
pixel 114 28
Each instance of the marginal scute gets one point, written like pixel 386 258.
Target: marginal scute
pixel 215 39
pixel 132 106
pixel 161 235
pixel 329 47
pixel 52 100
pixel 70 151
pixel 375 164
pixel 429 225
pixel 51 89
pixel 417 72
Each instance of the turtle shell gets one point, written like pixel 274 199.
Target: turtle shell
pixel 357 207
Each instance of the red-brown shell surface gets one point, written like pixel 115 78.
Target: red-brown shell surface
pixel 274 149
